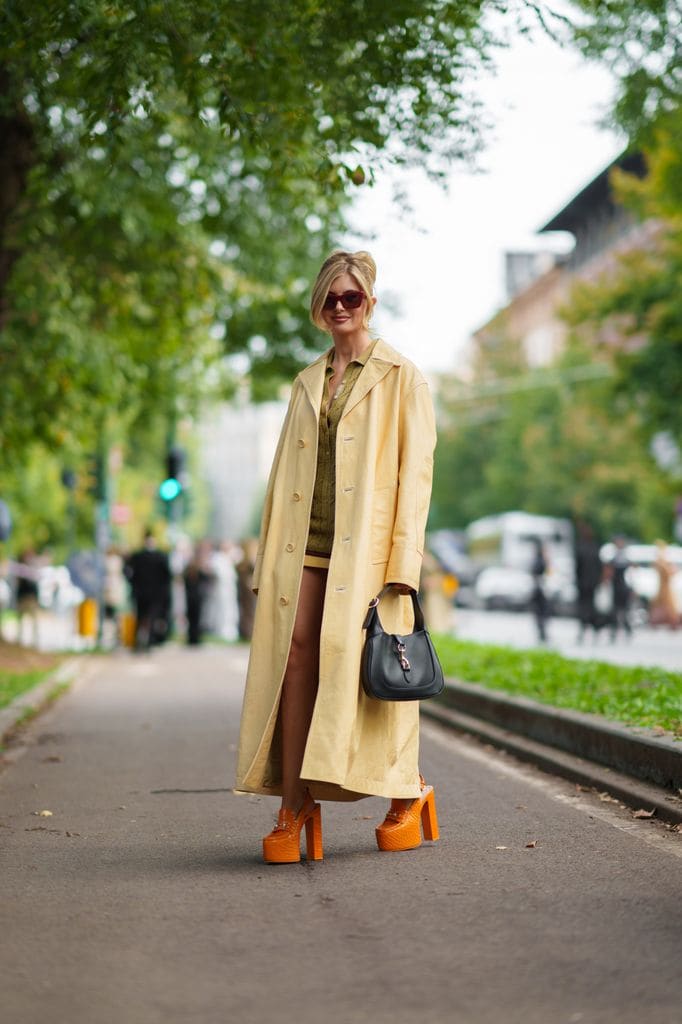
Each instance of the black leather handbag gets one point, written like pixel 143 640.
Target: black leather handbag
pixel 399 667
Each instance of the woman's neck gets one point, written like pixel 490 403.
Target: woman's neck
pixel 350 346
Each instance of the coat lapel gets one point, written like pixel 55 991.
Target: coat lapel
pixel 382 360
pixel 312 379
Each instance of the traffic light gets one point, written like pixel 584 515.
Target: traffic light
pixel 172 487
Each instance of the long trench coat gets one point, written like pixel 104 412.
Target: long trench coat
pixel 356 746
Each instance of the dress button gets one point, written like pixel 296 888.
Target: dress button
pixel 296 496
pixel 300 443
pixel 290 546
pixel 284 601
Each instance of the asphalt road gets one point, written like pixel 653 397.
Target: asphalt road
pixel 143 899
pixel 660 647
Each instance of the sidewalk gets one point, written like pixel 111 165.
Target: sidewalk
pixel 142 897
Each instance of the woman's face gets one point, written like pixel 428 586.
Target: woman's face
pixel 343 321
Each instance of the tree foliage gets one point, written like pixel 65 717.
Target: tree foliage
pixel 633 315
pixel 175 172
pixel 552 446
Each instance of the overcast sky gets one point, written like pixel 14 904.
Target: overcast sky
pixel 445 263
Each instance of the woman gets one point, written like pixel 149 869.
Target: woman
pixel 344 516
pixel 664 611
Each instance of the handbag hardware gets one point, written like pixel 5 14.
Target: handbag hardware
pixel 400 648
pixel 395 667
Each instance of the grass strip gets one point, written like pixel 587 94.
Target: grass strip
pixel 12 684
pixel 633 695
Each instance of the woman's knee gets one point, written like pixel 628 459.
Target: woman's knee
pixel 303 651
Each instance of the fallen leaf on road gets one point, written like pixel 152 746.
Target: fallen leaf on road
pixel 501 847
pixel 643 814
pixel 606 798
pixel 52 759
pixel 71 834
pixel 677 828
pixel 532 844
pixel 658 731
pixel 43 814
pixel 521 807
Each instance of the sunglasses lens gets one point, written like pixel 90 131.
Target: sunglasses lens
pixel 349 300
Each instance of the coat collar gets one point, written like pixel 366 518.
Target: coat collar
pixel 382 359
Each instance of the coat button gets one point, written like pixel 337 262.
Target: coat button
pixel 296 496
pixel 284 601
pixel 301 442
pixel 290 546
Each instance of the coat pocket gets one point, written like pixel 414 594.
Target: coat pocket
pixel 383 517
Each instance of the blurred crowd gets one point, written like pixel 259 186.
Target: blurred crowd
pixel 143 597
pixel 137 598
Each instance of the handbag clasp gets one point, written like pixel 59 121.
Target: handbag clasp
pixel 404 663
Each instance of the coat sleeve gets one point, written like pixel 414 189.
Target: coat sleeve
pixel 267 504
pixel 415 473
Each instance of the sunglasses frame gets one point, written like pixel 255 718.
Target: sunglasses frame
pixel 333 299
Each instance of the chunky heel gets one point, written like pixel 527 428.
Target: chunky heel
pixel 313 835
pixel 402 829
pixel 283 844
pixel 430 818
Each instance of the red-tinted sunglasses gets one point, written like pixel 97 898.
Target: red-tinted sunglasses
pixel 349 300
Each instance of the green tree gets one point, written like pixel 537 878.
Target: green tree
pixel 633 316
pixel 174 172
pixel 550 443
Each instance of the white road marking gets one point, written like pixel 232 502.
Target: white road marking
pixel 646 831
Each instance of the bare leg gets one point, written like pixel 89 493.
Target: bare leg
pixel 299 688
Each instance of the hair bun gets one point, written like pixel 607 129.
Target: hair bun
pixel 367 260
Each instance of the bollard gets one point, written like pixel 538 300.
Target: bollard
pixel 127 624
pixel 87 617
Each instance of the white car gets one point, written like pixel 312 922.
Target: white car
pixel 504 587
pixel 500 587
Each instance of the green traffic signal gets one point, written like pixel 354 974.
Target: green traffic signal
pixel 170 489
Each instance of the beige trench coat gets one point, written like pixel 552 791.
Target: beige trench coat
pixel 356 746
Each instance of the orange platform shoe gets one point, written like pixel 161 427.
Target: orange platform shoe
pixel 283 845
pixel 402 830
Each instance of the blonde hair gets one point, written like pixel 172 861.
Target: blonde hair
pixel 360 265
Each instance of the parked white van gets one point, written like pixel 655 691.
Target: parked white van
pixel 502 549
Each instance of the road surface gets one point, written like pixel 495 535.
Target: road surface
pixel 659 647
pixel 142 898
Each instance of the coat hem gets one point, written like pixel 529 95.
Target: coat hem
pixel 350 790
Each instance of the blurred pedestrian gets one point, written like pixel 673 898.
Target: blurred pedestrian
pixel 221 615
pixel 149 575
pixel 344 518
pixel 198 579
pixel 539 601
pixel 246 599
pixel 664 610
pixel 621 592
pixel 588 575
pixel 437 594
pixel 114 592
pixel 26 571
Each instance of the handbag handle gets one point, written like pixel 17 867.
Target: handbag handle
pixel 373 615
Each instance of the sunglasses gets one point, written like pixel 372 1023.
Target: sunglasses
pixel 349 300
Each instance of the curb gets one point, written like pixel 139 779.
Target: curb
pixel 637 766
pixel 32 700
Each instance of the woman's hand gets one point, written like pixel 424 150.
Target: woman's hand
pixel 402 588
